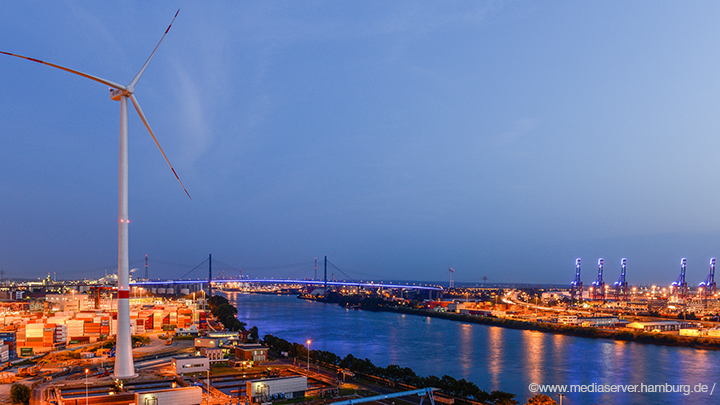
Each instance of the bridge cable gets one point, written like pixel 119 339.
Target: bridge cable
pixel 338 269
pixel 203 262
pixel 151 260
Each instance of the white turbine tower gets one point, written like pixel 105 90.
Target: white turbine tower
pixel 124 367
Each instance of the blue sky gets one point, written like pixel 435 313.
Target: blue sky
pixel 504 139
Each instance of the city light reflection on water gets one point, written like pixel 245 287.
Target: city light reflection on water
pixel 534 344
pixel 494 358
pixel 466 345
pixel 495 350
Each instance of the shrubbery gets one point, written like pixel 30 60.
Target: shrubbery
pixel 447 384
pixel 225 313
pixel 20 394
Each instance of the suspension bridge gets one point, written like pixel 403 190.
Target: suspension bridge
pixel 298 274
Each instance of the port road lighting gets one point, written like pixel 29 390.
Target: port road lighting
pixel 308 364
pixel 87 371
pixel 208 385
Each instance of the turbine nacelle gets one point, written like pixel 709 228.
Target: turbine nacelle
pixel 117 94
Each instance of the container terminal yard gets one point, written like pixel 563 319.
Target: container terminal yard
pixel 58 337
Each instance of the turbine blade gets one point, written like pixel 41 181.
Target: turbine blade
pixel 142 70
pixel 85 75
pixel 147 125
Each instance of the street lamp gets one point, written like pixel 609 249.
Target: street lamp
pixel 308 364
pixel 87 371
pixel 208 385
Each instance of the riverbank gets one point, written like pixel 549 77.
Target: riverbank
pixel 465 391
pixel 588 332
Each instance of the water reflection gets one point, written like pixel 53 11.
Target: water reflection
pixel 495 350
pixel 466 346
pixel 533 346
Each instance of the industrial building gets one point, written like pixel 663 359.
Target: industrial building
pixel 190 364
pixel 274 388
pixel 174 396
pixel 251 352
pixel 662 326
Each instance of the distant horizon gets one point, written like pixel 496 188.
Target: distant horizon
pixel 444 284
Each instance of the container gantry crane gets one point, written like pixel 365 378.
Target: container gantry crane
pixel 708 286
pixel 621 286
pixel 576 286
pixel 679 288
pixel 598 289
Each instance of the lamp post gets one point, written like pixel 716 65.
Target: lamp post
pixel 308 364
pixel 87 371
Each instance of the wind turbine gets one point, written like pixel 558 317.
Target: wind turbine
pixel 124 367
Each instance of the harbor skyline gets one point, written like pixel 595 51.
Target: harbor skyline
pixel 503 140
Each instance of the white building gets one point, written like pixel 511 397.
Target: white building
pixel 68 302
pixel 4 352
pixel 568 319
pixel 690 332
pixel 270 388
pixel 555 295
pixel 190 364
pixel 659 326
pixel 213 355
pixel 174 396
pixel 598 321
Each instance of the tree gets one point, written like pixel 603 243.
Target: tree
pixel 217 300
pixel 541 399
pixel 20 394
pixel 224 310
pixel 254 333
pixel 502 398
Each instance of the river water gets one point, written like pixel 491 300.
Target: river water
pixel 494 358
